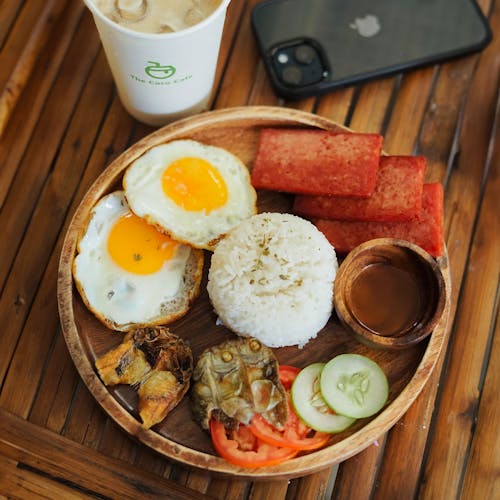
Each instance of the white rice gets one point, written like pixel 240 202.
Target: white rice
pixel 272 278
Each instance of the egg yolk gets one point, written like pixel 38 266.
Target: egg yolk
pixel 195 185
pixel 138 247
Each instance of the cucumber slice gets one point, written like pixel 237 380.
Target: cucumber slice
pixel 354 385
pixel 309 404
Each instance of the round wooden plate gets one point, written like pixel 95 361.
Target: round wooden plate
pixel 178 437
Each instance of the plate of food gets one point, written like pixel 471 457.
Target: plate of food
pixel 196 290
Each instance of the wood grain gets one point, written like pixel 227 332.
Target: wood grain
pixel 8 15
pixel 23 124
pixel 481 475
pixel 24 483
pixel 61 458
pixel 238 78
pixel 468 351
pixel 23 68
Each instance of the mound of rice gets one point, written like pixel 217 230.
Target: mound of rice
pixel 272 278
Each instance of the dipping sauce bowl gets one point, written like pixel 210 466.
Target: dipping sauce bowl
pixel 389 293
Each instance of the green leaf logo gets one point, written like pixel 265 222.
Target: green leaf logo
pixel 159 72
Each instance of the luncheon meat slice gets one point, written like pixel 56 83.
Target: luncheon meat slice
pixel 426 231
pixel 397 195
pixel 317 162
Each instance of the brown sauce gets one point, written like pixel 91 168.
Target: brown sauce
pixel 385 299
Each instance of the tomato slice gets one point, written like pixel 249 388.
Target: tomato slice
pixel 242 448
pixel 295 435
pixel 287 375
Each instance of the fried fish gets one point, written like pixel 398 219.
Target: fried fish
pixel 236 379
pixel 155 361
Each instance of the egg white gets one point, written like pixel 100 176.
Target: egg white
pixel 119 298
pixel 142 183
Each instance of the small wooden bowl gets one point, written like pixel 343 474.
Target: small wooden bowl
pixel 389 293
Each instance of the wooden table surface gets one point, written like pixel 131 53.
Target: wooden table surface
pixel 63 123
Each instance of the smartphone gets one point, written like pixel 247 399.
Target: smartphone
pixel 310 47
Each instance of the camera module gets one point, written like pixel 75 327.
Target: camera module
pixel 299 63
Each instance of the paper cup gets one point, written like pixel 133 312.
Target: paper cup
pixel 162 77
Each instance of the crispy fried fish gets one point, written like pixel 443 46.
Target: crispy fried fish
pixel 236 379
pixel 156 361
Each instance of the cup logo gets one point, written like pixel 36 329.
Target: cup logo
pixel 155 70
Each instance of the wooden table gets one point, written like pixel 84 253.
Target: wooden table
pixel 62 125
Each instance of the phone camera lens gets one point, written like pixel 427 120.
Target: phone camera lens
pixel 305 54
pixel 292 75
pixel 298 63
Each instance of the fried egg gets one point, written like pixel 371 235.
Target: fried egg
pixel 128 273
pixel 194 192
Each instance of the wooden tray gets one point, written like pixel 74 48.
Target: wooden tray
pixel 178 437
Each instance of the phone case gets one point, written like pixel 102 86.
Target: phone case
pixel 313 46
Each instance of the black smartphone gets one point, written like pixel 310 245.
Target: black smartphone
pixel 313 46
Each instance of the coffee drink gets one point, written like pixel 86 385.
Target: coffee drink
pixel 157 16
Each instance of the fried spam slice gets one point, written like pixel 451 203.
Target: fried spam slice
pixel 426 231
pixel 317 162
pixel 397 195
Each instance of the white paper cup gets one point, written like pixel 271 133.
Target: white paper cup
pixel 162 77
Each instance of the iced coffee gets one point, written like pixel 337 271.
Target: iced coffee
pixel 157 16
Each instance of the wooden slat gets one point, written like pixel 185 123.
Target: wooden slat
pixel 8 14
pixel 56 389
pixel 364 465
pixel 268 490
pixel 239 74
pixel 228 489
pixel 482 479
pixel 314 486
pixel 460 397
pixel 16 22
pixel 306 104
pixel 372 106
pixel 147 459
pixel 21 72
pixel 198 480
pixel 64 459
pixel 17 482
pixel 481 476
pixel 21 126
pixel 233 17
pixel 336 105
pixel 412 98
pixel 115 443
pixel 19 205
pixel 442 116
pixel 86 421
